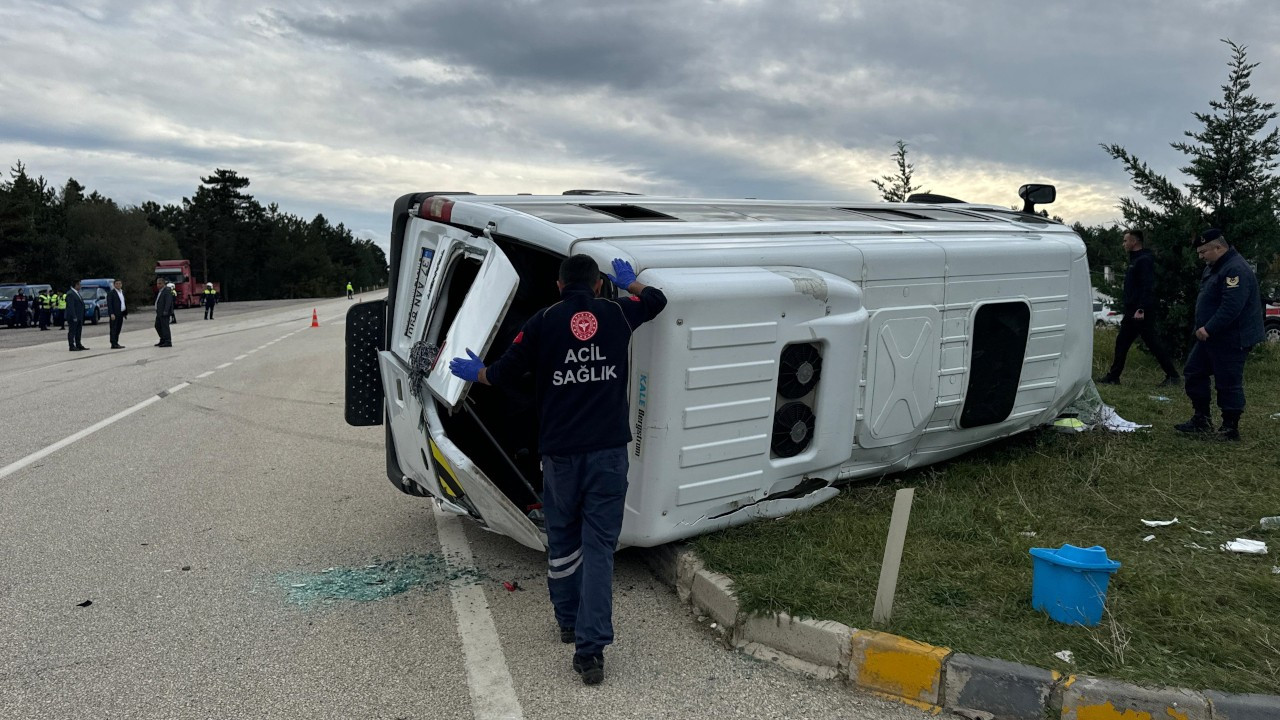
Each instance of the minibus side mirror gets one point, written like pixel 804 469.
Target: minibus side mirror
pixel 1033 194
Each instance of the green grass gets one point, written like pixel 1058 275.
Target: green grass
pixel 1176 614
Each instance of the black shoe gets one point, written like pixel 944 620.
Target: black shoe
pixel 165 345
pixel 1108 379
pixel 1170 381
pixel 1228 434
pixel 590 668
pixel 567 635
pixel 117 347
pixel 1197 424
pixel 75 349
pixel 82 348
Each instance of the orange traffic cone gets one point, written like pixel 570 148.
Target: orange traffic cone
pixel 315 319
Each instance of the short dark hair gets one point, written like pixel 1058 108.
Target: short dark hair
pixel 579 269
pixel 1136 233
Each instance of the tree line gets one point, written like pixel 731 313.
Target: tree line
pixel 1231 184
pixel 58 235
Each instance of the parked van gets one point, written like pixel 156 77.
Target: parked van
pixel 93 291
pixel 804 344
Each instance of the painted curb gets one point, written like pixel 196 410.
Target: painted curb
pixel 1086 698
pixel 930 677
pixel 824 643
pixel 900 668
pixel 1004 689
pixel 1227 706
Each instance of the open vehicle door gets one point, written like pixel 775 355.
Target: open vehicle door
pixel 469 289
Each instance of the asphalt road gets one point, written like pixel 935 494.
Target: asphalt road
pixel 240 545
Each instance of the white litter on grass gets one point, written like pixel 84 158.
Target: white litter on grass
pixel 1113 422
pixel 1028 533
pixel 1160 523
pixel 1196 546
pixel 1275 569
pixel 1065 656
pixel 1159 398
pixel 1149 538
pixel 1202 532
pixel 1270 523
pixel 1247 547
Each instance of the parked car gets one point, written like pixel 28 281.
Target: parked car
pixel 1103 315
pixel 95 303
pixel 9 290
pixel 1271 323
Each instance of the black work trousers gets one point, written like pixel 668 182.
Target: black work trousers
pixel 117 322
pixel 162 329
pixel 1131 330
pixel 74 327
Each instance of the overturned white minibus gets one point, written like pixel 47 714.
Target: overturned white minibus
pixel 804 344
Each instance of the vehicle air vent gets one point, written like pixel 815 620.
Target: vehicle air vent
pixel 799 370
pixel 793 426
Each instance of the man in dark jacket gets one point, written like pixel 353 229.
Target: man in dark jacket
pixel 1139 312
pixel 164 312
pixel 577 350
pixel 1228 324
pixel 75 317
pixel 117 309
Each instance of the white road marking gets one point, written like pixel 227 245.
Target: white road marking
pixel 223 365
pixel 204 375
pixel 493 696
pixel 14 467
pixel 176 388
pixel 241 357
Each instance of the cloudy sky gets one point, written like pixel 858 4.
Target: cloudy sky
pixel 340 107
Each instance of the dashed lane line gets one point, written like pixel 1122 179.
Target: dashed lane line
pixel 48 450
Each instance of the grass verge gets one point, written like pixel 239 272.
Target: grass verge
pixel 1180 611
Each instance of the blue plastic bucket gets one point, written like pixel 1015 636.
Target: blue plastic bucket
pixel 1070 583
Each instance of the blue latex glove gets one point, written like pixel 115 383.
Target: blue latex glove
pixel 467 369
pixel 622 275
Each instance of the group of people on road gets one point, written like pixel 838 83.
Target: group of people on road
pixel 49 308
pixel 1228 321
pixel 118 310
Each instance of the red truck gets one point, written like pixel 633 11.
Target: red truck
pixel 186 288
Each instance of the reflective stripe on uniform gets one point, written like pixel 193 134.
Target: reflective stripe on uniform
pixel 557 574
pixel 557 562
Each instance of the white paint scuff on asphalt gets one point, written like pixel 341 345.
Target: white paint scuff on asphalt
pixel 493 695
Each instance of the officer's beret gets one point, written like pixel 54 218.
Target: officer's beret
pixel 1208 236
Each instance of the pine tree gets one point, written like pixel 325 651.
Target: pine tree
pixel 1232 186
pixel 897 188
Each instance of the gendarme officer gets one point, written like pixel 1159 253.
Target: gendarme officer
pixel 1228 323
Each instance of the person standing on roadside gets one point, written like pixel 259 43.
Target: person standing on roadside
pixel 18 308
pixel 350 291
pixel 208 298
pixel 1228 323
pixel 577 350
pixel 1139 313
pixel 117 310
pixel 60 310
pixel 44 303
pixel 75 318
pixel 164 312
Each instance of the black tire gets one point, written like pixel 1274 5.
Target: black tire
pixel 94 321
pixel 1271 333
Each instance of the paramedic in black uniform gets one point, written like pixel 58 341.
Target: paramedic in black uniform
pixel 1228 323
pixel 1139 312
pixel 577 350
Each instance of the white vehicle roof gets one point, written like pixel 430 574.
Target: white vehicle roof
pixel 557 222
